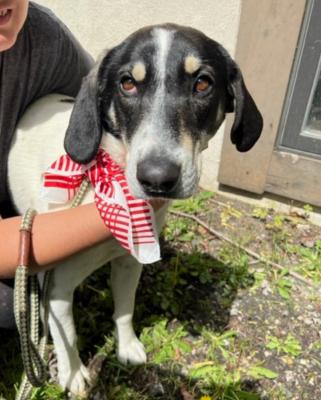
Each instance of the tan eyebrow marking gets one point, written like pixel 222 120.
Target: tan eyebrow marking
pixel 191 64
pixel 139 71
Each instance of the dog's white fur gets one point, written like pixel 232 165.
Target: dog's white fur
pixel 37 143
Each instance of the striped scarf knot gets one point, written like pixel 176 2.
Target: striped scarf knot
pixel 130 220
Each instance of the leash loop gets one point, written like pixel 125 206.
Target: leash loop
pixel 27 313
pixel 27 308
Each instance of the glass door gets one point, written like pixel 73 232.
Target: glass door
pixel 300 129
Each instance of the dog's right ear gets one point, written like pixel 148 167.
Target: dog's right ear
pixel 248 121
pixel 84 131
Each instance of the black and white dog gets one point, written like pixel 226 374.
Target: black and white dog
pixel 153 103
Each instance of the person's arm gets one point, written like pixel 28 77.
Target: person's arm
pixel 55 236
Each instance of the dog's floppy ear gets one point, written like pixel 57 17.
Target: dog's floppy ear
pixel 84 131
pixel 248 121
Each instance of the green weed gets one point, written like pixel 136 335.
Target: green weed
pixel 237 263
pixel 193 204
pixel 48 392
pixel 212 373
pixel 283 283
pixel 219 343
pixel 259 277
pixel 310 263
pixel 179 229
pixel 277 223
pixel 260 213
pixel 228 213
pixel 258 372
pixel 289 345
pixel 308 210
pixel 164 345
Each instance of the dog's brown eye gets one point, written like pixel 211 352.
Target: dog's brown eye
pixel 128 85
pixel 202 84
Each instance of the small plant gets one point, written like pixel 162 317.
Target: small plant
pixel 237 261
pixel 177 229
pixel 223 383
pixel 308 209
pixel 258 372
pixel 194 204
pixel 260 213
pixel 212 373
pixel 229 212
pixel 220 343
pixel 259 277
pixel 310 263
pixel 283 284
pixel 165 345
pixel 277 223
pixel 48 392
pixel 289 345
pixel 203 268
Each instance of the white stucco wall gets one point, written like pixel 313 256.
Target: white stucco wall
pixel 99 24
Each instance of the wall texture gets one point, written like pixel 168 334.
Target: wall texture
pixel 99 24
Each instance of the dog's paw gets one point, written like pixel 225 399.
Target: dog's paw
pixel 131 352
pixel 76 381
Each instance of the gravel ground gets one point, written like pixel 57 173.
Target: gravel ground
pixel 258 311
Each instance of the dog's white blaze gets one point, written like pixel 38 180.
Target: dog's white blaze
pixel 163 43
pixel 152 127
pixel 163 40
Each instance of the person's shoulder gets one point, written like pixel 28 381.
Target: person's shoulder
pixel 43 23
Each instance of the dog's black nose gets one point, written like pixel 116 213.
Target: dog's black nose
pixel 157 175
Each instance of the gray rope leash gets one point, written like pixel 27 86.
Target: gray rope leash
pixel 27 313
pixel 32 350
pixel 28 322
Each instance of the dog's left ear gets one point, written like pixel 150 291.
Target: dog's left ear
pixel 248 121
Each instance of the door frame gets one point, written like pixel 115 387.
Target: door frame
pixel 267 41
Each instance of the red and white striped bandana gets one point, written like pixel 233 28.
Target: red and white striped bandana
pixel 130 220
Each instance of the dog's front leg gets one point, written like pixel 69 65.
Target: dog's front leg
pixel 125 276
pixel 72 374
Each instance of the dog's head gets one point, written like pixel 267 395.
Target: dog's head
pixel 154 102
